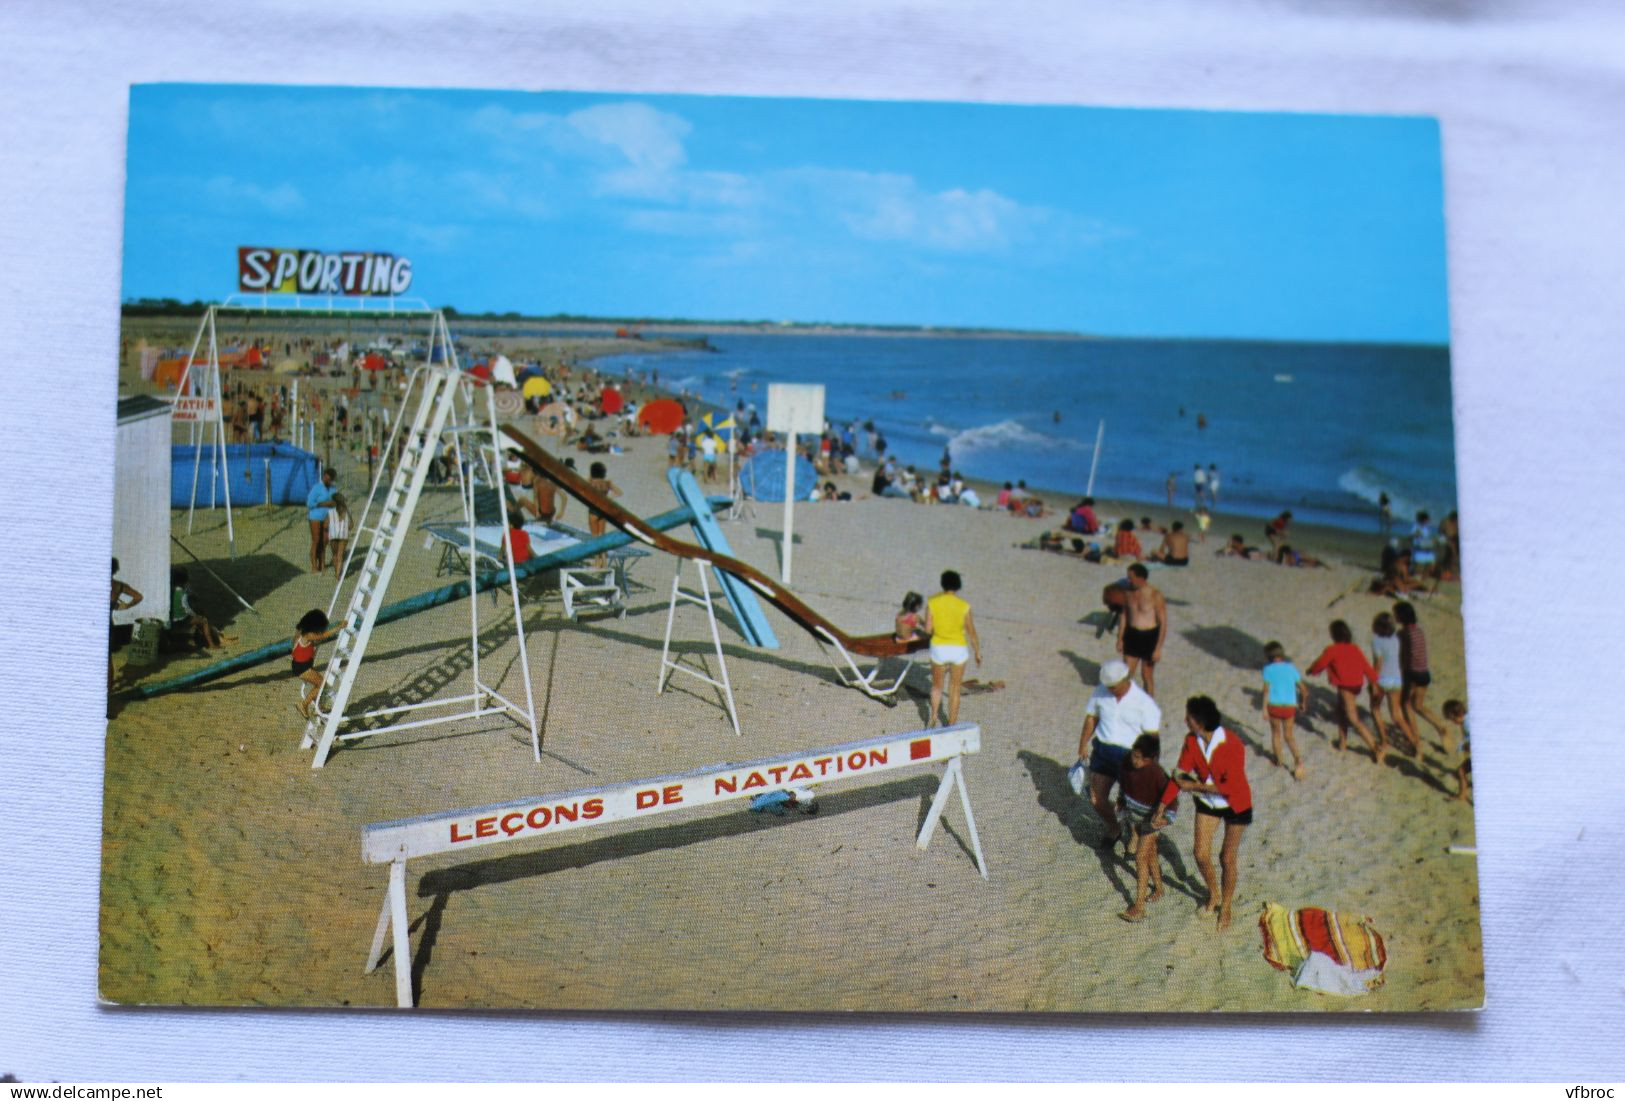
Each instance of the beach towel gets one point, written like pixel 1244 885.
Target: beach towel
pixel 1339 954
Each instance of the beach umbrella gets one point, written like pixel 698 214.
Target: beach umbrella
pixel 481 371
pixel 611 401
pixel 537 387
pixel 528 370
pixel 374 362
pixel 502 371
pixel 762 477
pixel 664 417
pixel 554 418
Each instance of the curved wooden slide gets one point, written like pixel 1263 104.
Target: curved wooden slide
pixel 873 646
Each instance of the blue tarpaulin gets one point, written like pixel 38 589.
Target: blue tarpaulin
pixel 290 470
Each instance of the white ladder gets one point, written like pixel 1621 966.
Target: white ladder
pixel 438 395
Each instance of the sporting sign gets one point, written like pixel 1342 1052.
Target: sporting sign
pixel 394 843
pixel 312 271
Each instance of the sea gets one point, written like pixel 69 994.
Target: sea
pixel 1321 429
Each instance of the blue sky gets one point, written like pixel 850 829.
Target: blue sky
pixel 1117 222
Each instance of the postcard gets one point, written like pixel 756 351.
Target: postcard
pixel 651 552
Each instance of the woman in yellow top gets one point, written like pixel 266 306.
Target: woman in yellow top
pixel 948 622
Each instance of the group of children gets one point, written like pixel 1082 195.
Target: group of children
pixel 1396 674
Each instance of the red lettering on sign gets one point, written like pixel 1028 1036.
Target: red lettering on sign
pixel 878 756
pixel 456 837
pixel 538 818
pixel 801 772
pixel 856 761
pixel 513 823
pixel 823 765
pixel 919 749
pixel 565 812
pixel 726 783
pixel 646 799
pixel 778 773
pixel 672 794
pixel 485 827
pixel 592 808
pixel 755 780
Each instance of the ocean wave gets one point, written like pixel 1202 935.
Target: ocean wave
pixel 1005 435
pixel 1369 484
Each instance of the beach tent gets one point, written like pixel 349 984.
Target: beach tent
pixel 502 371
pixel 537 387
pixel 762 477
pixel 141 500
pixel 611 401
pixel 664 417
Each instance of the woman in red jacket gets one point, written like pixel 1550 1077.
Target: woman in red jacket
pixel 1348 670
pixel 1213 768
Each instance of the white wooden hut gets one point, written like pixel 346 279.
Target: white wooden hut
pixel 141 471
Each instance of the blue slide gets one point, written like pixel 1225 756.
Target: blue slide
pixel 747 611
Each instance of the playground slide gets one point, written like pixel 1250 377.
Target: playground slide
pixel 747 612
pixel 424 601
pixel 873 646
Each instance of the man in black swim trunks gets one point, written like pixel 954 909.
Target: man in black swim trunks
pixel 1144 626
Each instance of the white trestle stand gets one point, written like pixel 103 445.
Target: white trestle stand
pixel 394 843
pixel 199 403
pixel 669 664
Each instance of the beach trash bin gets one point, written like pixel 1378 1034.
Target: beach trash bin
pixel 144 642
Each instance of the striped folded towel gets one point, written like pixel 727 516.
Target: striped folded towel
pixel 1333 953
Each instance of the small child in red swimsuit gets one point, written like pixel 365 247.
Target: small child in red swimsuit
pixel 908 620
pixel 308 634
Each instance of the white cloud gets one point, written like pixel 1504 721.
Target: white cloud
pixel 649 142
pixel 281 199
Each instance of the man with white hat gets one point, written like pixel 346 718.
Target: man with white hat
pixel 1118 712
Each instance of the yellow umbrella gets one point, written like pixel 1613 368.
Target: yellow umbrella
pixel 536 387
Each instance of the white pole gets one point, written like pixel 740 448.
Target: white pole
pixel 1100 437
pixel 293 409
pixel 789 501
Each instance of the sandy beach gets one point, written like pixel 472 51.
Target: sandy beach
pixel 232 871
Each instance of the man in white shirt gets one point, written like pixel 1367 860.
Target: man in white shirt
pixel 1118 712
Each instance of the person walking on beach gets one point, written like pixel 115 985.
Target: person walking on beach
pixel 1172 487
pixel 1140 811
pixel 317 502
pixel 1144 627
pixel 1199 480
pixel 1213 485
pixel 1385 658
pixel 1117 713
pixel 953 640
pixel 1213 768
pixel 1413 664
pixel 1283 698
pixel 1348 671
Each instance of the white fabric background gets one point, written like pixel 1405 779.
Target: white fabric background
pixel 1531 95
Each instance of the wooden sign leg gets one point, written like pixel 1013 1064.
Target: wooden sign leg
pixel 403 939
pixel 951 776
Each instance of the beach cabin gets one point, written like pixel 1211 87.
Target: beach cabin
pixel 141 503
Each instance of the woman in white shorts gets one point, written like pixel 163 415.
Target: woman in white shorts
pixel 953 642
